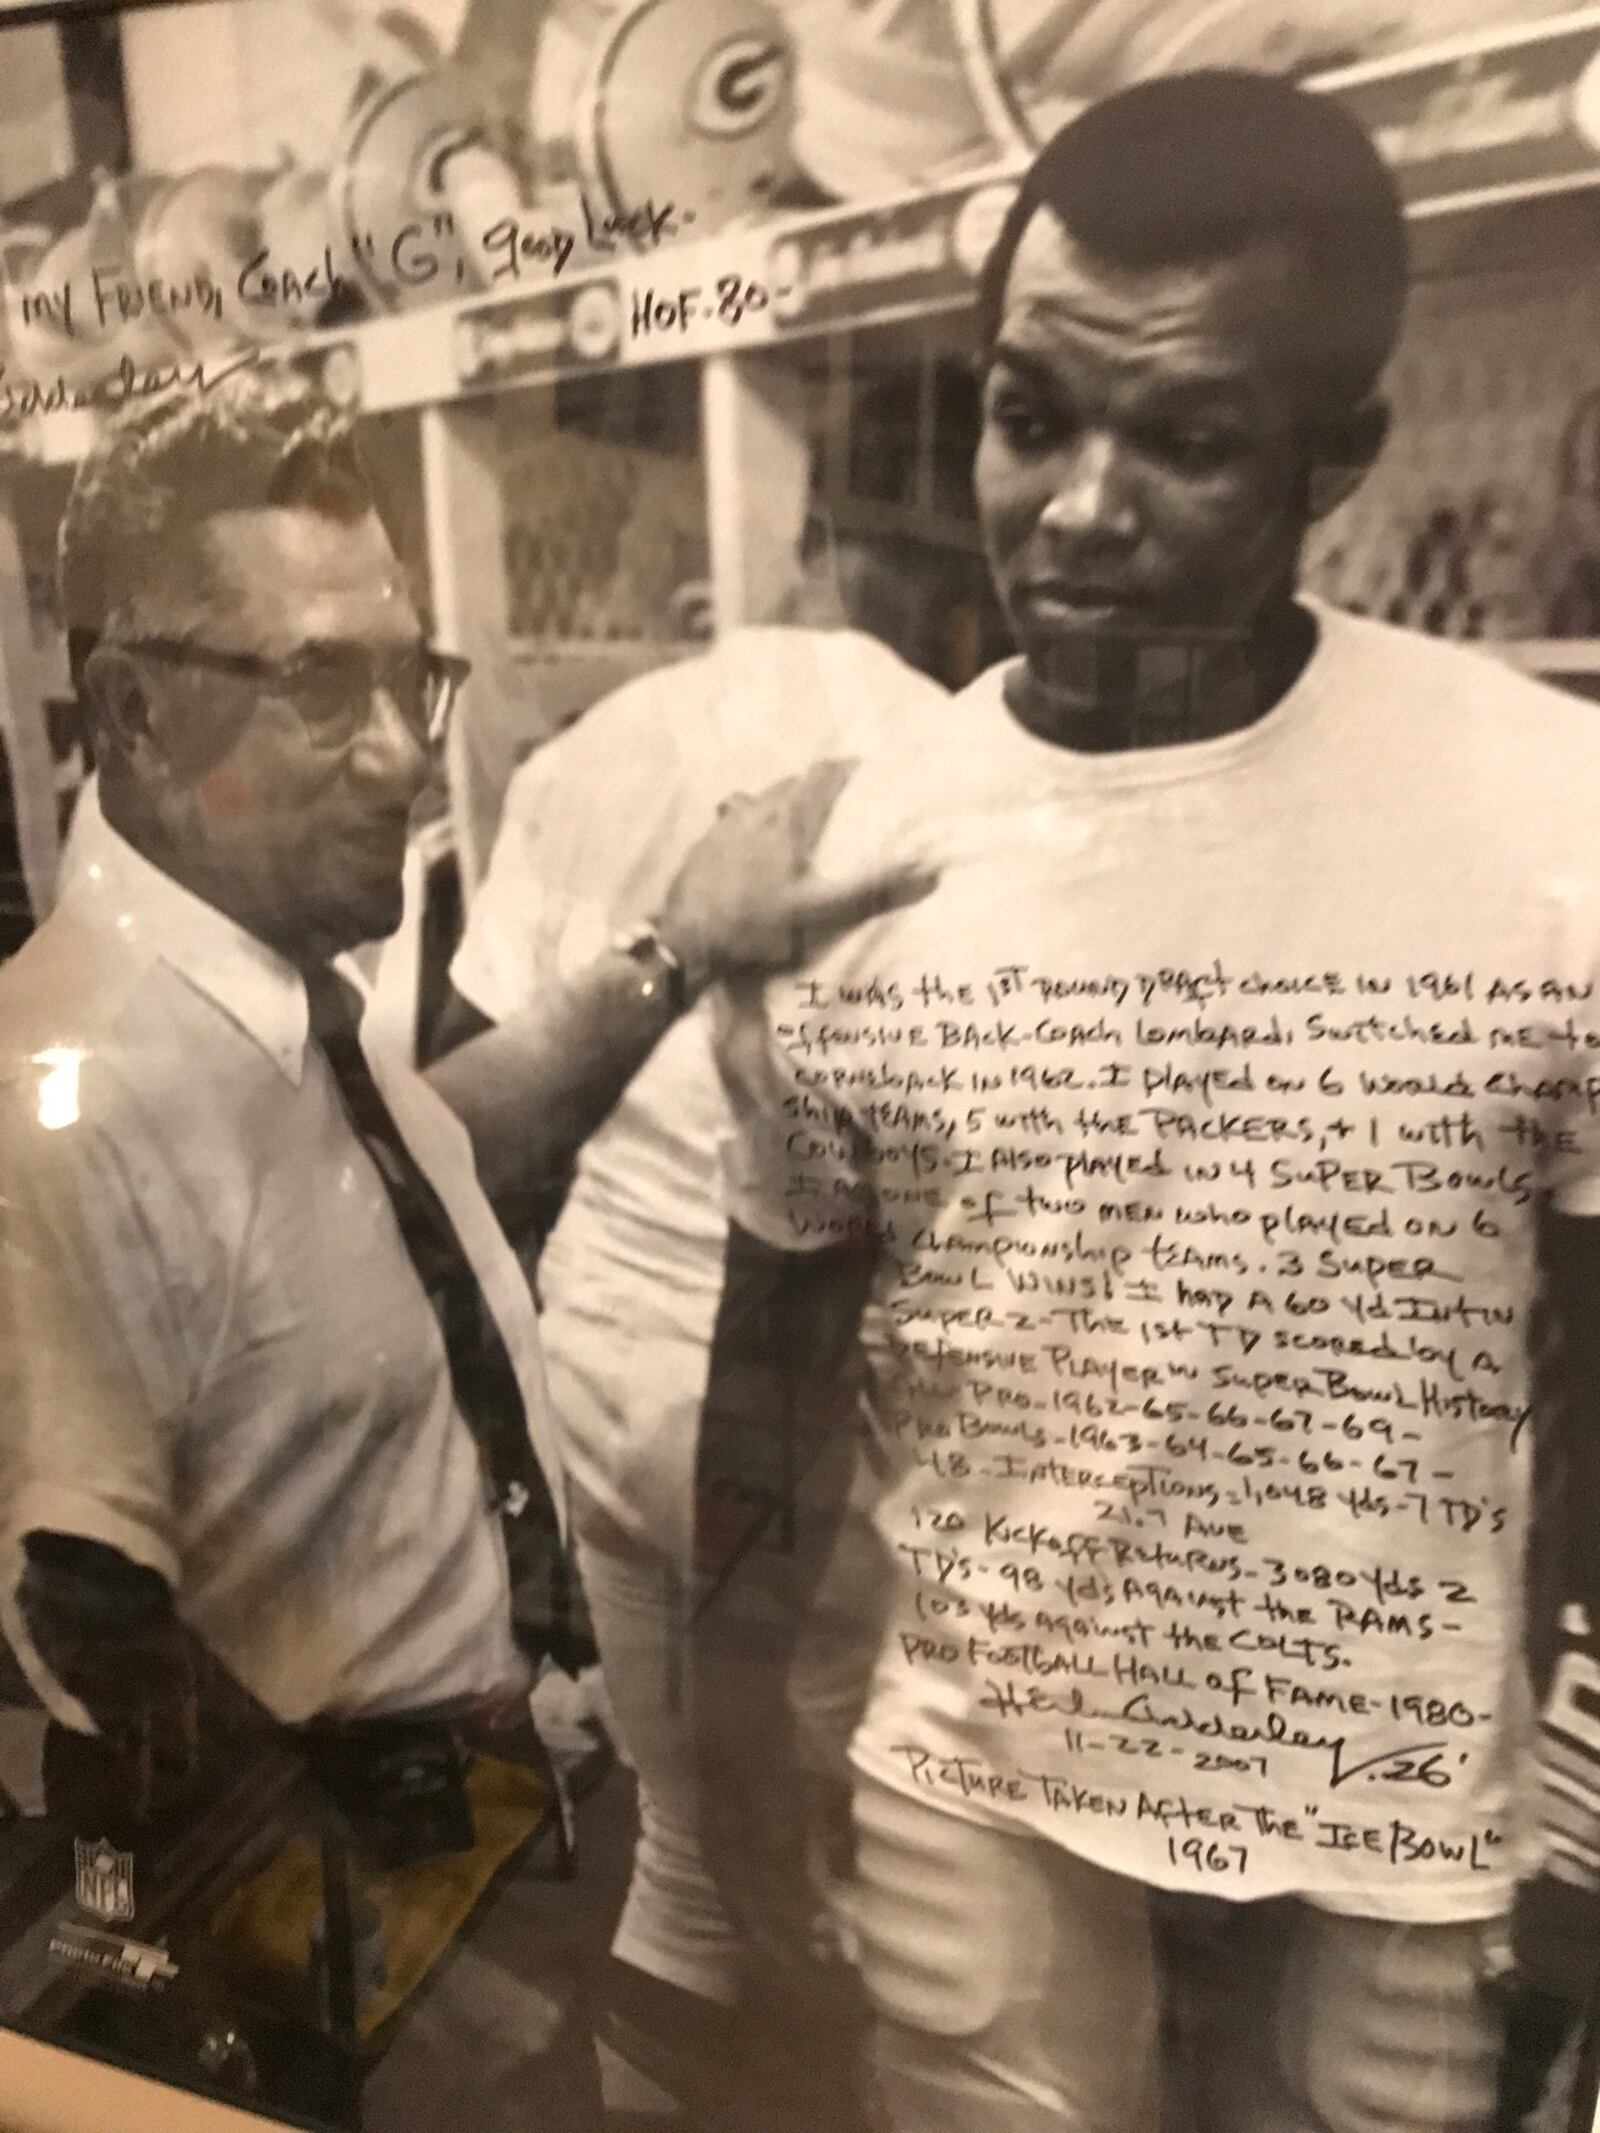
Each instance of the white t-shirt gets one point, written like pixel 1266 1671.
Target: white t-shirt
pixel 1203 1111
pixel 215 1352
pixel 595 825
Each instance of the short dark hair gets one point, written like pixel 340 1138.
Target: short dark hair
pixel 144 492
pixel 1187 168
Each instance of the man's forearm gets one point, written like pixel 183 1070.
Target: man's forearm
pixel 782 1395
pixel 108 1632
pixel 534 1088
pixel 742 903
pixel 778 1451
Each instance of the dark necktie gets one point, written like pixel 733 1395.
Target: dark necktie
pixel 487 1392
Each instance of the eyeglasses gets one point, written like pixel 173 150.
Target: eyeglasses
pixel 332 686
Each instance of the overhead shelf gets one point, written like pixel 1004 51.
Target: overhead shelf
pixel 1486 119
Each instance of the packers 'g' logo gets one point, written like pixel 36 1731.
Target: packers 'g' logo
pixel 739 85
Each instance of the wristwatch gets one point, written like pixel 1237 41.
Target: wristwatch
pixel 661 972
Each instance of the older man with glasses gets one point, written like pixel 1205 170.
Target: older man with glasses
pixel 271 1409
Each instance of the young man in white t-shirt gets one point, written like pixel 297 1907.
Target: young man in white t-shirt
pixel 1184 1151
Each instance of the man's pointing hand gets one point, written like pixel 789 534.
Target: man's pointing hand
pixel 745 902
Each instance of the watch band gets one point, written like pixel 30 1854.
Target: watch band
pixel 661 972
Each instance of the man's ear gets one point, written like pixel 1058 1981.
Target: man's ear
pixel 1341 449
pixel 117 698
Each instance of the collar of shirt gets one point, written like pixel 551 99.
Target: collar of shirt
pixel 156 919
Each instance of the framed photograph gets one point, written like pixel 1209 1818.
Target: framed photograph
pixel 799 1141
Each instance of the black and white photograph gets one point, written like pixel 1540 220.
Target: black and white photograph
pixel 799 1066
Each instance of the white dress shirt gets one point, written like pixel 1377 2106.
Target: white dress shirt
pixel 215 1353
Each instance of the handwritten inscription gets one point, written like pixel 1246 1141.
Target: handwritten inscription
pixel 1206 1359
pixel 418 255
pixel 728 301
pixel 123 385
pixel 424 260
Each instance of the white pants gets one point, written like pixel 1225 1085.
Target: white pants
pixel 673 1924
pixel 1018 1989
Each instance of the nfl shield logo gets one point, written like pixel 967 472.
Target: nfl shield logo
pixel 105 1880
